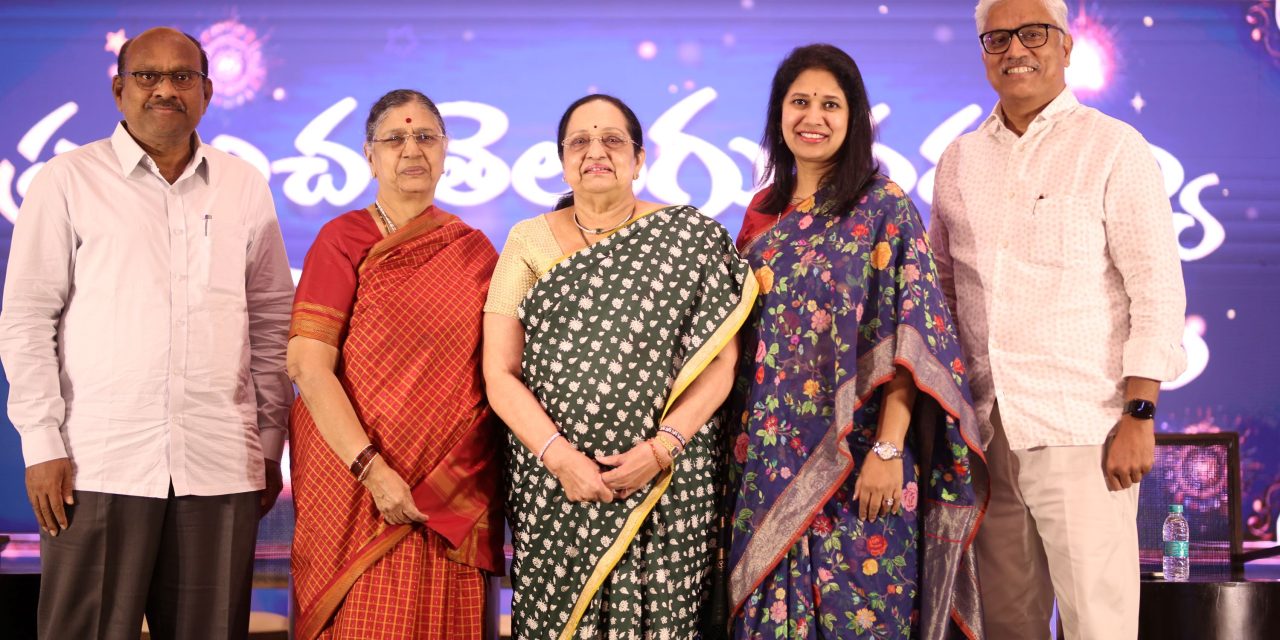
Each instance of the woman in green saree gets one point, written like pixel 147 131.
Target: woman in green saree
pixel 609 348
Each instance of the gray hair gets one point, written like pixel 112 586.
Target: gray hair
pixel 1057 9
pixel 393 99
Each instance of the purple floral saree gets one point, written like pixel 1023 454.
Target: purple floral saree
pixel 844 298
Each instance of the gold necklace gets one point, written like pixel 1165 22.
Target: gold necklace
pixel 602 230
pixel 386 219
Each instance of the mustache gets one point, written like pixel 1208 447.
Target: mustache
pixel 167 104
pixel 1020 61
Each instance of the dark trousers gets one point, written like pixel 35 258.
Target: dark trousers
pixel 186 562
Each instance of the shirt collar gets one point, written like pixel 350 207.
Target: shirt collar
pixel 1066 102
pixel 130 154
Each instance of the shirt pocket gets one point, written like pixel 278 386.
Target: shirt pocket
pixel 226 249
pixel 1063 231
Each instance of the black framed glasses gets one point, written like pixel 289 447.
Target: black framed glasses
pixel 1031 36
pixel 423 139
pixel 611 141
pixel 179 79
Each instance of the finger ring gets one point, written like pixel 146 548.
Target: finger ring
pixel 888 502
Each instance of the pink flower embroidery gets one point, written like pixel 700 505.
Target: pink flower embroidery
pixel 824 574
pixel 805 222
pixel 821 320
pixel 912 272
pixel 760 351
pixel 910 494
pixel 778 612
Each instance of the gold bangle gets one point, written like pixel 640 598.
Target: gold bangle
pixel 656 457
pixel 668 443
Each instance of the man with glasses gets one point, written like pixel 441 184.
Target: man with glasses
pixel 143 334
pixel 1055 247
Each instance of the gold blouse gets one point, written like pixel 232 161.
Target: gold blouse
pixel 531 250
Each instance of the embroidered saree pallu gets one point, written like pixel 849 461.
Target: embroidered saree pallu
pixel 846 298
pixel 410 365
pixel 613 335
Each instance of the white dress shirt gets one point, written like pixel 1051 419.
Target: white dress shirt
pixel 144 324
pixel 1057 253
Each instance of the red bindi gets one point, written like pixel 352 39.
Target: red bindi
pixel 408 120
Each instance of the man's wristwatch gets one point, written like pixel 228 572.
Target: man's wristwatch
pixel 886 450
pixel 1140 409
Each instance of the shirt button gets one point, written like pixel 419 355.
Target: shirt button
pixel 177 232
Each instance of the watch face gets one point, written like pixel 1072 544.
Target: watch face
pixel 1141 409
pixel 885 451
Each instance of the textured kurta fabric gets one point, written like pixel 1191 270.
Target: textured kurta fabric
pixel 406 314
pixel 844 298
pixel 1060 256
pixel 613 334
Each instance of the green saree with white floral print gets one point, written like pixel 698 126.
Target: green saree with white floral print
pixel 613 335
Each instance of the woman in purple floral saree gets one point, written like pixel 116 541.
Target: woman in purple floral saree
pixel 857 454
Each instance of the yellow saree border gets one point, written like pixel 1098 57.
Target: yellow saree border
pixel 688 373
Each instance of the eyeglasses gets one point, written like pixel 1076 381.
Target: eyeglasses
pixel 611 141
pixel 1032 36
pixel 424 140
pixel 179 79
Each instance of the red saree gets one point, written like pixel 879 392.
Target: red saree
pixel 405 312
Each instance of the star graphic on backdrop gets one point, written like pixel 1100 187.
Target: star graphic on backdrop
pixel 115 40
pixel 1137 102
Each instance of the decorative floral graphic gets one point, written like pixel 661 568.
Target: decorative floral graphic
pixel 236 66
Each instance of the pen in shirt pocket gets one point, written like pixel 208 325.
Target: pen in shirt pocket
pixel 1035 206
pixel 207 218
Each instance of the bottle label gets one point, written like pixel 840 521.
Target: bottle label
pixel 1175 548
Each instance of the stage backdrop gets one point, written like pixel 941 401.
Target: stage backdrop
pixel 293 82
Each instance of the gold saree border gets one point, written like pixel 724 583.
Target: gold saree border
pixel 777 531
pixel 318 322
pixel 332 596
pixel 431 219
pixel 692 368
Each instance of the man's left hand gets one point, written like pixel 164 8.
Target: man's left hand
pixel 1130 452
pixel 275 484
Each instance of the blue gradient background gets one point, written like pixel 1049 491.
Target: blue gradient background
pixel 1211 92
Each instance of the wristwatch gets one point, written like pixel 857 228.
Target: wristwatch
pixel 886 450
pixel 1140 409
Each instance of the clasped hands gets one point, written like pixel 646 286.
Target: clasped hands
pixel 583 481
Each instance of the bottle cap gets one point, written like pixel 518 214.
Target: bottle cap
pixel 1175 508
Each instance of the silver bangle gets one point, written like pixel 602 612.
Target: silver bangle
pixel 548 445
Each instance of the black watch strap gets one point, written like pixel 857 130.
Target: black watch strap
pixel 1141 409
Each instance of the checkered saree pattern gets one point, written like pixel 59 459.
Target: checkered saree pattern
pixel 411 367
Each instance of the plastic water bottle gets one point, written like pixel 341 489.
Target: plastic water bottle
pixel 1177 536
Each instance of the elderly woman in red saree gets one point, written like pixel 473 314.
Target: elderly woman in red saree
pixel 395 460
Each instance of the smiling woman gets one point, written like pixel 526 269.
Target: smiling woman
pixel 851 400
pixel 609 346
